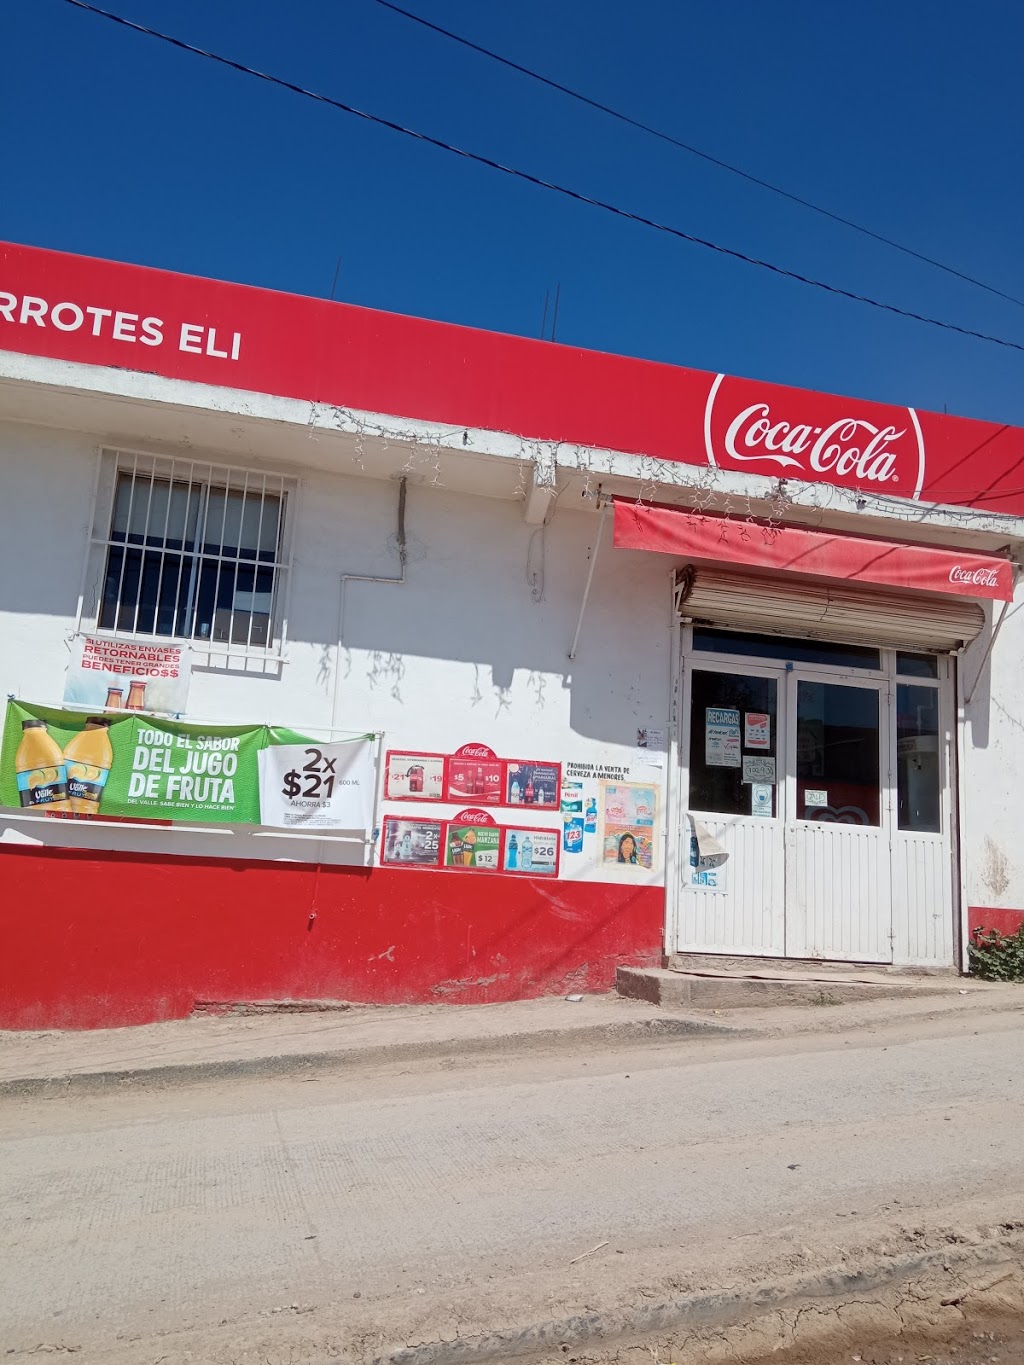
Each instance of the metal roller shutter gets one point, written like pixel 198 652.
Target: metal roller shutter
pixel 792 606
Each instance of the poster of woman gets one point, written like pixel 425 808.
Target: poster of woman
pixel 629 810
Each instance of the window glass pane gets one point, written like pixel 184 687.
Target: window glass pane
pixel 732 717
pixel 917 665
pixel 917 758
pixel 260 517
pixel 781 647
pixel 191 560
pixel 141 510
pixel 837 761
pixel 232 524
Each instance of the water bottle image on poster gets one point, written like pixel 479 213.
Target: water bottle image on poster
pixel 531 851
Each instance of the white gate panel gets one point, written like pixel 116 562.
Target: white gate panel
pixel 922 882
pixel 839 893
pixel 749 915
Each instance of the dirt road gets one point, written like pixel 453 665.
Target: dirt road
pixel 294 1220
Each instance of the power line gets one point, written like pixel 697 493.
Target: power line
pixel 540 182
pixel 696 151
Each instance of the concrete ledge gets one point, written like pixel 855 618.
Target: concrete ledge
pixel 936 1281
pixel 360 1053
pixel 683 990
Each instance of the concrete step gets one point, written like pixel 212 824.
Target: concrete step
pixel 720 964
pixel 685 990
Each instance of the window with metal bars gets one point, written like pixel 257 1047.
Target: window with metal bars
pixel 192 551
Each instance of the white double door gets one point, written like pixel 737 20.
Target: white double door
pixel 811 865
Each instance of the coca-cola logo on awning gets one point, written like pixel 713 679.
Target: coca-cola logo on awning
pixel 985 578
pixel 788 433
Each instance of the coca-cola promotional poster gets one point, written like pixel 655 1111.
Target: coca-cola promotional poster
pixel 474 771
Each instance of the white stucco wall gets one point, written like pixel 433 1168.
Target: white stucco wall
pixel 993 750
pixel 461 652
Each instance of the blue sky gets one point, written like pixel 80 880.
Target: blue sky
pixel 907 117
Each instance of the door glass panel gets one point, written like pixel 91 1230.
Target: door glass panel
pixel 837 752
pixel 917 758
pixel 733 735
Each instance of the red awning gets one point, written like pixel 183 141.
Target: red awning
pixel 793 549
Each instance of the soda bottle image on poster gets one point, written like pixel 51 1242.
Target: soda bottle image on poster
pixel 416 777
pixel 471 842
pixel 533 784
pixel 475 772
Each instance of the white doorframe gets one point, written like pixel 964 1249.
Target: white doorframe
pixel 753 895
pixel 939 946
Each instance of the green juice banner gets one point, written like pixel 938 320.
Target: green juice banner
pixel 67 764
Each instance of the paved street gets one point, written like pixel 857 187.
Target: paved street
pixel 290 1219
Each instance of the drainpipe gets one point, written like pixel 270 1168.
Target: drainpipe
pixel 347 578
pixel 590 579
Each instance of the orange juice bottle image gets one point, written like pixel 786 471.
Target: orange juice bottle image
pixel 88 758
pixel 136 696
pixel 468 847
pixel 113 701
pixel 39 766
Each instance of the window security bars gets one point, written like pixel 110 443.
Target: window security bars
pixel 191 551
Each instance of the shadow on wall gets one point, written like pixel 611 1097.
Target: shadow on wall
pixel 978 665
pixel 509 623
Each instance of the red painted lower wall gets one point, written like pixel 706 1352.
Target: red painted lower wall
pixel 1003 921
pixel 96 941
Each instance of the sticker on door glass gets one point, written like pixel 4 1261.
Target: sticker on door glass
pixel 813 796
pixel 722 737
pixel 761 799
pixel 757 730
pixel 758 769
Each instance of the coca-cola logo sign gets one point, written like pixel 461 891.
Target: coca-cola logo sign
pixel 984 578
pixel 761 429
pixel 475 751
